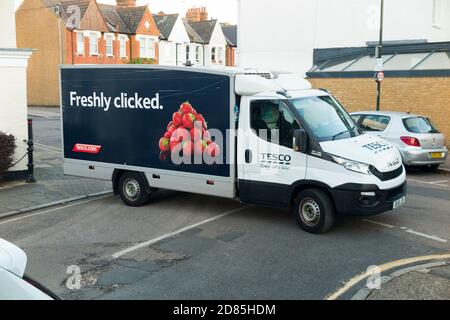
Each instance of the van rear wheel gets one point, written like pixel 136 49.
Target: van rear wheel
pixel 132 189
pixel 314 211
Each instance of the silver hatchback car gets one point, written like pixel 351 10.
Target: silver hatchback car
pixel 417 138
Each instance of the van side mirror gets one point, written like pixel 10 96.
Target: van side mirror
pixel 300 143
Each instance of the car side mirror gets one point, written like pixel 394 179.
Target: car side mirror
pixel 300 143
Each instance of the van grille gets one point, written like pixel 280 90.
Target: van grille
pixel 266 75
pixel 386 176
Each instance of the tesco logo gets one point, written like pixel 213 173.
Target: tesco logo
pixel 86 148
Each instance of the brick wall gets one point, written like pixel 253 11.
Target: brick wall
pixel 424 96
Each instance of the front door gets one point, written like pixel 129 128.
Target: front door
pixel 270 165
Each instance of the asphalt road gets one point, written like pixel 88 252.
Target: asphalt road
pixel 226 250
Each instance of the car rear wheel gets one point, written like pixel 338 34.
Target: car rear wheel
pixel 314 211
pixel 132 189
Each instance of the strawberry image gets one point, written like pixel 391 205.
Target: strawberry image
pixel 188 120
pixel 164 144
pixel 196 134
pixel 171 126
pixel 200 146
pixel 188 148
pixel 200 118
pixel 212 150
pixel 177 119
pixel 186 107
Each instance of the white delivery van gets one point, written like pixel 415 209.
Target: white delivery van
pixel 258 137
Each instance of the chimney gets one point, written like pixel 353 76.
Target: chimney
pixel 197 14
pixel 126 3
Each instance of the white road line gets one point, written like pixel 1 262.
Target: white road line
pixel 379 223
pixel 435 238
pixel 438 182
pixel 433 183
pixel 174 233
pixel 51 210
pixel 43 146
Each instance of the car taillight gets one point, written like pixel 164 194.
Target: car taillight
pixel 411 141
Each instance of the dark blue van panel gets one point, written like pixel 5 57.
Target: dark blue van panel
pixel 96 110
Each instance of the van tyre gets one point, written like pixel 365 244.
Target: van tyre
pixel 132 189
pixel 314 211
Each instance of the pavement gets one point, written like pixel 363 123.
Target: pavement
pixel 188 246
pixel 51 185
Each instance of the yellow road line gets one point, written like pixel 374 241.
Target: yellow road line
pixel 384 267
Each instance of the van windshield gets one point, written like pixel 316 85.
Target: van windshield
pixel 326 118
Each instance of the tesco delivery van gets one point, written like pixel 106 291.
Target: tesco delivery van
pixel 257 137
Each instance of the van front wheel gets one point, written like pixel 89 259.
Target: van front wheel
pixel 314 211
pixel 132 189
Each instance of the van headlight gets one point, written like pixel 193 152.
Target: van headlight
pixel 352 165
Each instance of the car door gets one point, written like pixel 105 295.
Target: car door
pixel 270 165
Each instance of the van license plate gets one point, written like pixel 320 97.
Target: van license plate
pixel 437 155
pixel 399 202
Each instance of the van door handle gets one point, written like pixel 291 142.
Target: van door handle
pixel 248 156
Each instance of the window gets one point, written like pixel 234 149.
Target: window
pixel 147 47
pixel 325 118
pixel 420 125
pixel 197 53
pixel 188 53
pixel 80 42
pixel 273 121
pixel 123 46
pixel 93 43
pixel 375 123
pixel 213 54
pixel 438 60
pixel 220 53
pixel 356 117
pixel 109 45
pixel 404 61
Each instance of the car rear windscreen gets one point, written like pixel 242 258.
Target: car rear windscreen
pixel 420 125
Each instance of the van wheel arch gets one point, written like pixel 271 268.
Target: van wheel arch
pixel 309 184
pixel 117 173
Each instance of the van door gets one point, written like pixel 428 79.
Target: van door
pixel 270 165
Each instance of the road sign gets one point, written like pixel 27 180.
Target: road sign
pixel 379 65
pixel 379 76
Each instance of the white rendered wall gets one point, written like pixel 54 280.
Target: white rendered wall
pixel 7 24
pixel 281 35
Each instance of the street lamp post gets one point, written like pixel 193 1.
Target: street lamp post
pixel 379 54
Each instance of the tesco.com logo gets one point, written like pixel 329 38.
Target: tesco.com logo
pixel 86 148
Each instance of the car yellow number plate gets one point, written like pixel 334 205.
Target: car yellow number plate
pixel 437 155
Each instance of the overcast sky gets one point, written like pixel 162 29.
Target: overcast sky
pixel 224 10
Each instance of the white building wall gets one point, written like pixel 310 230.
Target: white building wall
pixel 13 100
pixel 282 34
pixel 219 42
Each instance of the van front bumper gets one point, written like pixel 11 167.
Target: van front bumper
pixel 365 199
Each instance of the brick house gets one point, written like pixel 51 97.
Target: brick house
pixel 230 32
pixel 417 78
pixel 81 32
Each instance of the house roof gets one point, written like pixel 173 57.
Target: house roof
pixel 193 36
pixel 115 23
pixel 165 23
pixel 131 16
pixel 83 5
pixel 230 32
pixel 204 29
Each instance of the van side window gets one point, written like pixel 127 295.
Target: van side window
pixel 375 123
pixel 273 121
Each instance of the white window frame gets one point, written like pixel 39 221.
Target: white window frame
pixel 147 46
pixel 197 53
pixel 187 52
pixel 220 55
pixel 97 35
pixel 80 48
pixel 123 49
pixel 109 37
pixel 213 54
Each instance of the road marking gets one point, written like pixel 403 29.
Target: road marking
pixel 174 233
pixel 384 267
pixel 379 223
pixel 43 146
pixel 433 183
pixel 54 209
pixel 435 238
pixel 430 237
